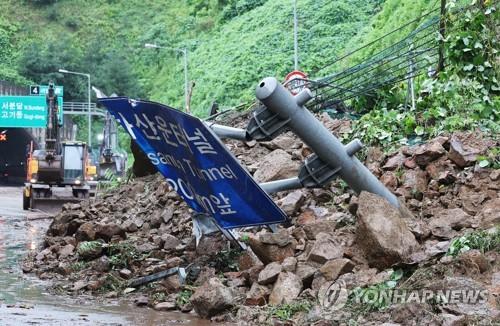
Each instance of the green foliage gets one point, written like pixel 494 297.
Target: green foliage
pixel 184 297
pixel 371 298
pixel 464 96
pixel 79 265
pixel 482 240
pixel 226 260
pixel 88 246
pixel 287 310
pixel 123 254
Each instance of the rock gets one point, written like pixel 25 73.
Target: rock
pixel 258 295
pixel 268 253
pixel 332 269
pixel 305 272
pixel 286 289
pixel 442 171
pixel 449 221
pixel 289 264
pixel 276 165
pixel 247 260
pixel 125 273
pixel 489 216
pixel 495 175
pixel 292 202
pixel 141 301
pixel 394 162
pixel 212 298
pixel 389 179
pixel 165 306
pixel 306 217
pixel 269 274
pixel 66 251
pixel 86 232
pixel 428 152
pixel 312 230
pixel 415 183
pixel 102 264
pixel 280 238
pixel 169 241
pixel 108 230
pixel 474 260
pixel 465 147
pixel 78 285
pixel 167 214
pixel 325 248
pixel 381 233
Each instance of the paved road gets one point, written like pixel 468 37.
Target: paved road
pixel 23 300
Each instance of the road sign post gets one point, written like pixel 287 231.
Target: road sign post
pixel 196 164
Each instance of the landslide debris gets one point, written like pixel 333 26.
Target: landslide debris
pixel 142 227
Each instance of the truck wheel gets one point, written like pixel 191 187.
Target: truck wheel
pixel 26 201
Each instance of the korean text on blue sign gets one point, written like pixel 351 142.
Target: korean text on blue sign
pixel 195 163
pixel 25 111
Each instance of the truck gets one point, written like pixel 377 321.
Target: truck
pixel 56 173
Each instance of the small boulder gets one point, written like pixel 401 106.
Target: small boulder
pixel 86 232
pixel 465 147
pixel 269 274
pixel 169 241
pixel 447 221
pixel 332 269
pixel 268 253
pixel 489 216
pixel 325 248
pixel 394 162
pixel 212 298
pixel 428 152
pixel 258 295
pixel 289 264
pixel 286 289
pixel 108 230
pixel 276 165
pixel 102 264
pixel 66 251
pixel 165 306
pixel 381 233
pixel 292 202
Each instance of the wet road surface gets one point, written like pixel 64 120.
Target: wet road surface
pixel 23 300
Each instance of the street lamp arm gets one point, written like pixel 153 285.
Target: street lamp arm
pixel 64 71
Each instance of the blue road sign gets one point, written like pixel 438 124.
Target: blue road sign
pixel 195 163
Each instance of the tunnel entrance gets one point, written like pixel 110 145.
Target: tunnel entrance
pixel 14 144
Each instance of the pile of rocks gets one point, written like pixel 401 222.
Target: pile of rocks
pixel 334 236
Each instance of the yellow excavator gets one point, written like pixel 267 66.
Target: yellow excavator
pixel 57 173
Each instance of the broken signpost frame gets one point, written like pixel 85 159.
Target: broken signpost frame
pixel 331 158
pixel 196 164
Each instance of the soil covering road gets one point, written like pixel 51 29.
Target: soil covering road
pixel 26 300
pixel 444 241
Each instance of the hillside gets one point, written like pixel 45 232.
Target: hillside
pixel 231 44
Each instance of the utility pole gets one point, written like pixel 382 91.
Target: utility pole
pixel 442 32
pixel 295 38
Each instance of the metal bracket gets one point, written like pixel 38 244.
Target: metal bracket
pixel 264 125
pixel 315 173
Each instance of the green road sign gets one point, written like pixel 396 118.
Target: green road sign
pixel 25 111
pixel 42 90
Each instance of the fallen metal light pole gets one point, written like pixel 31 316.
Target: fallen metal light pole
pixel 326 146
